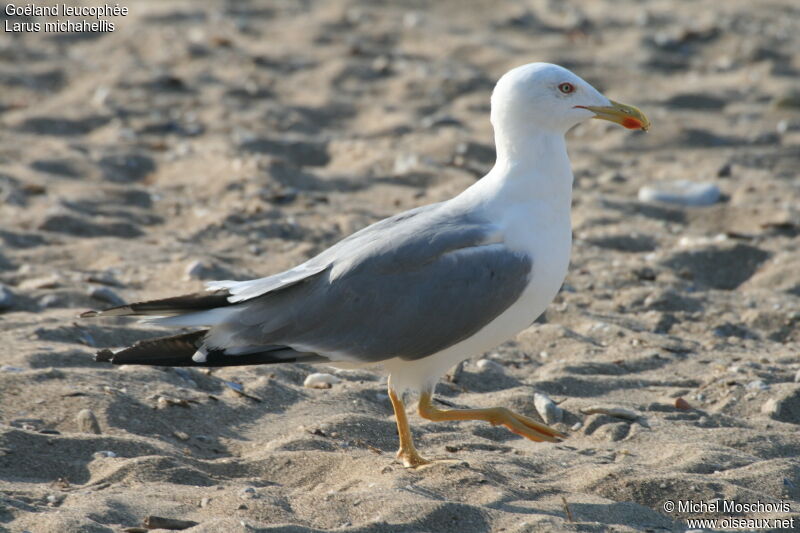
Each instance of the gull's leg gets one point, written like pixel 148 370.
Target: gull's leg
pixel 519 424
pixel 407 453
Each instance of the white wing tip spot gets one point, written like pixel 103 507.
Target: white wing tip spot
pixel 200 356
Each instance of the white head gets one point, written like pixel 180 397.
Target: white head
pixel 542 97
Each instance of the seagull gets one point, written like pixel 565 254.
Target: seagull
pixel 420 291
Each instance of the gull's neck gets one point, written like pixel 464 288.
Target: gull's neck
pixel 534 168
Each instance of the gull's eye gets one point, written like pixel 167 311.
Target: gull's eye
pixel 566 88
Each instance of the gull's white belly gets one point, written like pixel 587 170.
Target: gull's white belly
pixel 550 251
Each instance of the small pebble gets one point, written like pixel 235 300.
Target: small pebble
pixel 756 385
pixel 49 300
pixel 725 171
pixel 103 454
pixel 788 100
pixel 104 294
pixel 320 380
pixel 797 376
pixel 104 278
pixel 163 402
pixel 237 387
pixel 381 65
pixel 619 412
pixel 681 192
pixel 87 422
pixel 611 176
pixel 7 298
pixel 204 502
pixel 181 435
pixel 437 120
pixel 682 404
pixel 196 270
pixel 488 364
pixel 405 163
pixel 249 494
pixel 547 408
pixel 413 19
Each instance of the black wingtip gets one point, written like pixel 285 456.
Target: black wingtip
pixel 104 356
pixel 120 310
pixel 176 305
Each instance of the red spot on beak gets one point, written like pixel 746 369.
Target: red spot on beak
pixel 631 123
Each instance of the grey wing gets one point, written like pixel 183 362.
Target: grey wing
pixel 437 284
pixel 241 291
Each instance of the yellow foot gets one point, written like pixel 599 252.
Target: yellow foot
pixel 519 424
pixel 411 458
pixel 528 427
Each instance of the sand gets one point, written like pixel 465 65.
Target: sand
pixel 206 140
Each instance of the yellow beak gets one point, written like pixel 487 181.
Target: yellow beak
pixel 626 115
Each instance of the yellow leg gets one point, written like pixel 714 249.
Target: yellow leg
pixel 407 453
pixel 519 424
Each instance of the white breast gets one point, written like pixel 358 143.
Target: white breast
pixel 529 200
pixel 546 237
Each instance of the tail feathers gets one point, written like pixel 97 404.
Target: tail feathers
pixel 162 351
pixel 175 305
pixel 179 349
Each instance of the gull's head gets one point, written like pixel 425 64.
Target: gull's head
pixel 547 97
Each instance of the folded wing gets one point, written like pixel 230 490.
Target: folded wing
pixel 408 290
pixel 408 286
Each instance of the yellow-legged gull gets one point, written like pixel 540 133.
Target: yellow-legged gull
pixel 422 290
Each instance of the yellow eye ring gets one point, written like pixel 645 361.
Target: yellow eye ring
pixel 566 88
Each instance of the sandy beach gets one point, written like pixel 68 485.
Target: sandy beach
pixel 229 140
